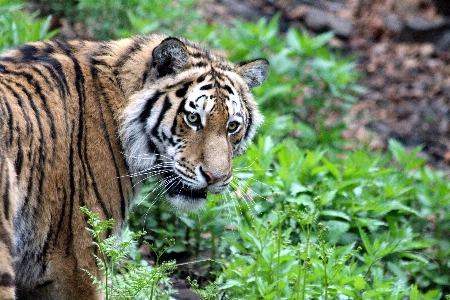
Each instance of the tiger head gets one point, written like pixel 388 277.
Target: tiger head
pixel 194 113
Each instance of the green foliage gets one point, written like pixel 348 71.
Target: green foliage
pixel 210 292
pixel 360 201
pixel 17 26
pixel 123 278
pixel 121 18
pixel 267 265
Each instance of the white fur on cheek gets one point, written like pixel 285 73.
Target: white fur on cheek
pixel 133 136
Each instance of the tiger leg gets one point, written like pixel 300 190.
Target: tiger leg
pixel 62 274
pixel 64 281
pixel 9 197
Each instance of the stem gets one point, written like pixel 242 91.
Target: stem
pixel 105 262
pixel 305 266
pixel 158 255
pixel 279 249
pixel 213 251
pixel 324 261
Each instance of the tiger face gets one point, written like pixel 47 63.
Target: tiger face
pixel 192 116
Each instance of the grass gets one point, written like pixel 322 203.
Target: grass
pixel 310 215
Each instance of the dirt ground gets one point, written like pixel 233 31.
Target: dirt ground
pixel 401 49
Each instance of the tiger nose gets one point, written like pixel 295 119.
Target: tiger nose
pixel 210 177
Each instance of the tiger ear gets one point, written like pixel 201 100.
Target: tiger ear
pixel 254 72
pixel 169 57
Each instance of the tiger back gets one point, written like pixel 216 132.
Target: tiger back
pixel 84 123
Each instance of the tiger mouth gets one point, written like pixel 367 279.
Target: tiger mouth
pixel 180 189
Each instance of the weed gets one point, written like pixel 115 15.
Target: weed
pixel 123 278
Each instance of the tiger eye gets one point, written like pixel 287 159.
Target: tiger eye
pixel 193 118
pixel 233 126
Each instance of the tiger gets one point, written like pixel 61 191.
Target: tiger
pixel 76 116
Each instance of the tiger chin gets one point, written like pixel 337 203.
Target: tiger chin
pixel 85 123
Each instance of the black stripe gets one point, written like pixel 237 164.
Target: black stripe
pixel 166 106
pixel 44 284
pixel 6 196
pixel 10 122
pixel 6 280
pixel 77 141
pixel 109 138
pixel 202 78
pixel 19 159
pixel 151 147
pixel 148 106
pixel 249 124
pixel 41 75
pixel 146 74
pixel 54 67
pixel 72 191
pixel 228 88
pixel 48 49
pixel 29 52
pixel 200 64
pixel 180 110
pixel 18 163
pixel 2 108
pixel 123 59
pixel 61 215
pixel 182 92
pixel 206 87
pixel 29 129
pixel 41 154
pixel 101 117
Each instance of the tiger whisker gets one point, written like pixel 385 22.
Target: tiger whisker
pixel 151 156
pixel 160 186
pixel 143 172
pixel 224 195
pixel 151 170
pixel 150 175
pixel 247 186
pixel 235 205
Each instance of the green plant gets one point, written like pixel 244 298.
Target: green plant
pixel 210 292
pixel 17 26
pixel 123 278
pixel 265 264
pixel 363 203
